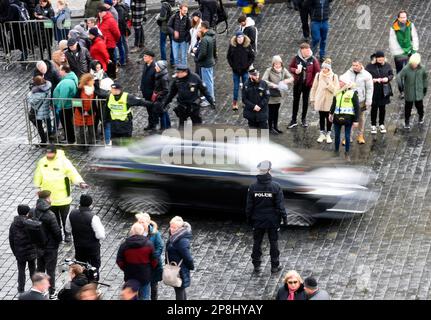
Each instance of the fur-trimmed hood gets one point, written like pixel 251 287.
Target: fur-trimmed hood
pixel 246 43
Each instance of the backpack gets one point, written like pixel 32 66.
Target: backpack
pixel 35 230
pixel 171 11
pixel 222 16
pixel 23 12
pixel 126 9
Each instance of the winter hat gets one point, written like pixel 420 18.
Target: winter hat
pixel 108 2
pixel 379 54
pixel 345 78
pixel 277 59
pixel 23 209
pixel 148 52
pixel 181 67
pixel 71 42
pixel 264 166
pixel 51 149
pixel 197 14
pixel 239 34
pixel 116 85
pixel 415 58
pixel 94 31
pixel 310 283
pixel 85 200
pixel 161 64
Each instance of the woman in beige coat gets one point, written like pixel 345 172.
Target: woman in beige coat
pixel 325 87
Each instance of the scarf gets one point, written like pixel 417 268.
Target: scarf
pixel 291 295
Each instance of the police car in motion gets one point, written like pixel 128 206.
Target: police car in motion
pixel 161 172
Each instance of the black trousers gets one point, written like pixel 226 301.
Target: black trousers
pixel 21 272
pixel 47 262
pixel 381 110
pixel 324 119
pixel 409 106
pixel 304 12
pixel 61 213
pixel 184 112
pixel 112 67
pixel 66 119
pixel 180 294
pixel 298 90
pixel 258 234
pixel 258 124
pixel 273 115
pixel 154 290
pixel 153 118
pixel 400 63
pixel 88 254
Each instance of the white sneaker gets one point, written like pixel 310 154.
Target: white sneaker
pixel 373 130
pixel 328 137
pixel 109 145
pixel 321 138
pixel 382 128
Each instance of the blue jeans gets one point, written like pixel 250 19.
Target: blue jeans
pixel 319 34
pixel 236 81
pixel 180 48
pixel 208 79
pixel 144 291
pixel 107 128
pixel 165 121
pixel 163 37
pixel 347 132
pixel 121 51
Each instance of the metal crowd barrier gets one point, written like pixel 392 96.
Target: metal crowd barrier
pixel 24 42
pixel 68 122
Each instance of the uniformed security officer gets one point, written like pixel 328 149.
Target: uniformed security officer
pixel 264 211
pixel 189 88
pixel 255 96
pixel 119 112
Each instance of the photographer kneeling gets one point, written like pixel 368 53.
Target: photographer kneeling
pixel 77 280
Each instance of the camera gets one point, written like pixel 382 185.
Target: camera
pixel 90 272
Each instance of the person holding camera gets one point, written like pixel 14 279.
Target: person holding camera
pixel 264 211
pixel 87 231
pixel 77 280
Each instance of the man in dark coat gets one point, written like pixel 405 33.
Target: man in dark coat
pixel 147 86
pixel 208 8
pixel 22 247
pixel 39 288
pixel 207 56
pixel 87 231
pixel 255 96
pixel 264 211
pixel 78 57
pixel 135 258
pixel 47 255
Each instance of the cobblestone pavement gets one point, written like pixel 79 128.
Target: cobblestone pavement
pixel 382 255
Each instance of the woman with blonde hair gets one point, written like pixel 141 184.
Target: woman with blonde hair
pixel 84 115
pixel 62 20
pixel 323 91
pixel 151 231
pixel 293 287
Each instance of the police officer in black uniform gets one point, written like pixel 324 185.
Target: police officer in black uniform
pixel 264 211
pixel 189 88
pixel 255 96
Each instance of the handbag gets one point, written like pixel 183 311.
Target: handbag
pixel 32 116
pixel 387 90
pixel 171 273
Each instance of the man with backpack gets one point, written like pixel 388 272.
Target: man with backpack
pixel 22 247
pixel 179 26
pixel 46 235
pixel 167 9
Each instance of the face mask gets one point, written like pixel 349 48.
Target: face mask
pixel 88 90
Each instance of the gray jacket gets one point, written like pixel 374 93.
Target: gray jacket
pixel 364 84
pixel 320 294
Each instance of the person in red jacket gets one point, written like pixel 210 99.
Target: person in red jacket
pixel 111 33
pixel 84 115
pixel 98 50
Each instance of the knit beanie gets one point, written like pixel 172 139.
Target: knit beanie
pixel 415 58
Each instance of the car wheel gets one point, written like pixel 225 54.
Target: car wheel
pixel 153 202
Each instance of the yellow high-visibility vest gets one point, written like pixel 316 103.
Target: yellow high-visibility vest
pixel 345 102
pixel 118 107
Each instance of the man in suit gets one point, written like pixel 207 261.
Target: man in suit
pixel 39 288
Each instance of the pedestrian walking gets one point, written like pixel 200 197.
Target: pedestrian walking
pixel 135 258
pixel 119 113
pixel 319 12
pixel 304 67
pixel 147 86
pixel 39 288
pixel 344 112
pixel 403 41
pixel 248 26
pixel 87 231
pixel 178 251
pixel 413 81
pixel 303 7
pixel 179 26
pixel 189 88
pixel 264 212
pixel 313 292
pixel 364 86
pixel 382 74
pixel 151 231
pixel 292 288
pixel 325 87
pixel 167 9
pixel 47 251
pixel 240 57
pixel 277 77
pixel 207 57
pixel 22 247
pixel 139 10
pixel 255 96
pixel 55 173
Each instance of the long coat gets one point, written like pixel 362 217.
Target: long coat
pixel 380 71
